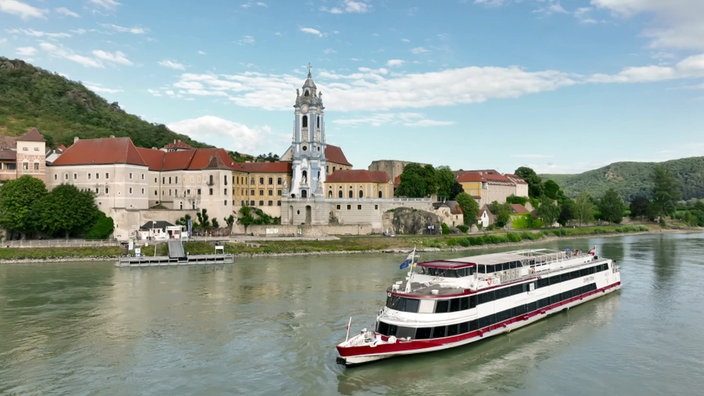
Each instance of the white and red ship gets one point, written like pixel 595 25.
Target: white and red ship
pixel 448 303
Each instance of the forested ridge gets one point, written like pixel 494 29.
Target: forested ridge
pixel 62 109
pixel 631 179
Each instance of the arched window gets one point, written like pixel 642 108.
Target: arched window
pixel 318 122
pixel 351 194
pixel 305 121
pixel 380 194
pixel 339 194
pixel 361 194
pixel 329 194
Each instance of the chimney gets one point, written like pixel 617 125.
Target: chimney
pixel 75 139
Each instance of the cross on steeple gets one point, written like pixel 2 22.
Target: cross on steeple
pixel 309 67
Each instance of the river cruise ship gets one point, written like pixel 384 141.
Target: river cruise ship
pixel 449 303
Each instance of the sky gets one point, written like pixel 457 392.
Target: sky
pixel 557 86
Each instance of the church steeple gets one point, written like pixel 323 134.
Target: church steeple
pixel 308 143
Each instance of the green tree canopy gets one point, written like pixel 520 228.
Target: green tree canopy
pixel 447 184
pixel 667 190
pixel 67 211
pixel 18 205
pixel 501 212
pixel 535 184
pixel 552 190
pixel 470 208
pixel 612 206
pixel 417 181
pixel 548 211
pixel 584 208
pixel 640 208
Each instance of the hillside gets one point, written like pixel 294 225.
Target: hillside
pixel 633 178
pixel 62 109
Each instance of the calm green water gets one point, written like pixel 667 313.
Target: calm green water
pixel 268 326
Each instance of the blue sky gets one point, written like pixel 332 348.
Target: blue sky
pixel 558 86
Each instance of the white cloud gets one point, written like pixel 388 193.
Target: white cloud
pixel 419 50
pixel 105 4
pixel 26 51
pixel 100 89
pixel 60 52
pixel 312 31
pixel 675 24
pixel 690 67
pixel 246 40
pixel 224 133
pixel 406 119
pixel 171 64
pixel 66 12
pixel 20 9
pixel 351 7
pixel 113 57
pixel 38 33
pixel 123 29
pixel 395 62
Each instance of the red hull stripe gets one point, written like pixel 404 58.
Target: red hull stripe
pixel 404 346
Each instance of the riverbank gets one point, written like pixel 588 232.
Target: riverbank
pixel 243 246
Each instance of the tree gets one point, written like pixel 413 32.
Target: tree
pixel 640 208
pixel 67 211
pixel 249 215
pixel 203 219
pixel 611 206
pixel 584 208
pixel 18 205
pixel 566 211
pixel 447 185
pixel 552 190
pixel 667 190
pixel 230 220
pixel 535 184
pixel 548 211
pixel 417 181
pixel 102 228
pixel 470 208
pixel 502 213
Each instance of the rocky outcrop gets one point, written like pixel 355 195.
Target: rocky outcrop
pixel 412 221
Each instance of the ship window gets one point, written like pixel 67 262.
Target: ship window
pixel 439 332
pixel 452 329
pixel 455 305
pixel 403 332
pixel 423 333
pixel 441 306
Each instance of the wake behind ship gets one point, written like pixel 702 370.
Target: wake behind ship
pixel 448 303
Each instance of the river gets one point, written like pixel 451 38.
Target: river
pixel 268 325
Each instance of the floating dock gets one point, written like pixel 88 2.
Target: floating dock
pixel 177 256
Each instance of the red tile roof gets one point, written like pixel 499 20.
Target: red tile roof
pixel 485 176
pixel 357 176
pixel 335 154
pixel 177 145
pixel 123 151
pixel 32 135
pixel 119 150
pixel 263 167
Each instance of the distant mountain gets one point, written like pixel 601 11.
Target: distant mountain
pixel 62 109
pixel 633 178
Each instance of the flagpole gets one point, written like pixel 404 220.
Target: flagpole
pixel 410 270
pixel 347 337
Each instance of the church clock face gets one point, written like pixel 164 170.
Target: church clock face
pixel 304 108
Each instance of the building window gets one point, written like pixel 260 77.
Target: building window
pixel 271 203
pixel 338 207
pixel 210 191
pixel 25 149
pixel 339 194
pixel 169 179
pixel 75 176
pixel 142 176
pixel 210 180
pixel 97 175
pixel 224 202
pixel 36 149
pixel 89 176
pixel 261 192
pixel 56 177
pixel 65 176
pixel 36 166
pixel 251 192
pixel 359 207
pixel 351 194
pixel 261 180
pixel 199 191
pixel 251 181
pixel 107 190
pixel 130 190
pixel 142 191
pixel 361 194
pixel 305 121
pixel 130 175
pixel 278 181
pixel 96 190
pixel 176 181
pixel 261 203
pixel 107 175
pixel 349 207
pixel 271 180
pixel 156 193
pixel 376 207
pixel 271 193
pixel 224 191
pixel 279 192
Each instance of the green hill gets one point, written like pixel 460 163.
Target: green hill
pixel 62 109
pixel 633 178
